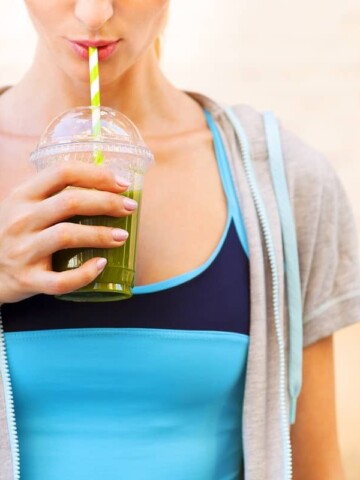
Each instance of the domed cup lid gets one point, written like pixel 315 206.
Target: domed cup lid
pixel 72 132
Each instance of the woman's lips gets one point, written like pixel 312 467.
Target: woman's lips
pixel 105 49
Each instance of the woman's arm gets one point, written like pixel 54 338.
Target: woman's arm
pixel 316 454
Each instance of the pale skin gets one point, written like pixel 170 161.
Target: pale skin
pixel 184 179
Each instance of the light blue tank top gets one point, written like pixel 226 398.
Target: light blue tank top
pixel 133 403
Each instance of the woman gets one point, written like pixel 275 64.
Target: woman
pixel 153 387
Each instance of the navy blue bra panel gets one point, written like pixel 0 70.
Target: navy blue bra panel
pixel 217 299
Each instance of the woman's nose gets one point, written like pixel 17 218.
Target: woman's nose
pixel 93 14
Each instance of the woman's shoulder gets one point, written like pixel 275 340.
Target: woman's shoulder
pixel 295 150
pixel 306 166
pixel 313 182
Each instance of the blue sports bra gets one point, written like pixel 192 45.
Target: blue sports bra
pixel 151 387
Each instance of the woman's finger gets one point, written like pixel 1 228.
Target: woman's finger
pixel 75 201
pixel 58 283
pixel 78 174
pixel 71 235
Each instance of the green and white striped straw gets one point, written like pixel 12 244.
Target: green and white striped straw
pixel 95 99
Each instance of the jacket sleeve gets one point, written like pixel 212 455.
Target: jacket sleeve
pixel 327 242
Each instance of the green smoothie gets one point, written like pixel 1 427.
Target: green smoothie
pixel 117 279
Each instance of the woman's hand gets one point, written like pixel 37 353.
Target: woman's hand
pixel 32 228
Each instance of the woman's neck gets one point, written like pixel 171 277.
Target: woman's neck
pixel 142 93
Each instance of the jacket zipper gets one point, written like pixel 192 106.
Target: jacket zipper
pixel 9 405
pixel 264 223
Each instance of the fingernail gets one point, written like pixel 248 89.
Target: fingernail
pixel 101 263
pixel 122 181
pixel 119 235
pixel 130 204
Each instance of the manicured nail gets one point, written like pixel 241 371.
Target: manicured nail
pixel 119 235
pixel 101 263
pixel 122 181
pixel 130 204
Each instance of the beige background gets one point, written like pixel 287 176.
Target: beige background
pixel 300 59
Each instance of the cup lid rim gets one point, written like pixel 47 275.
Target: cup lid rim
pixel 92 145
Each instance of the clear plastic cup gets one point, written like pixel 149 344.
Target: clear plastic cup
pixel 69 138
